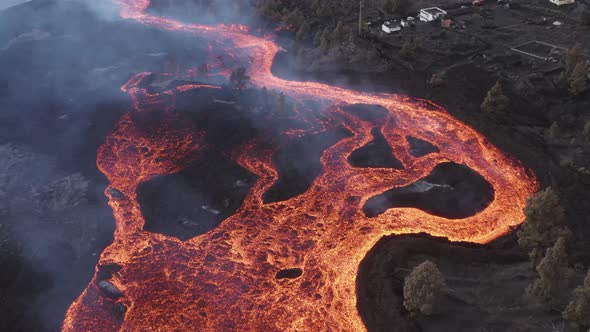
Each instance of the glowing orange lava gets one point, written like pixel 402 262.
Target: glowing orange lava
pixel 224 280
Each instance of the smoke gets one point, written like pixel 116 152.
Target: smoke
pixel 9 3
pixel 105 10
pixel 61 67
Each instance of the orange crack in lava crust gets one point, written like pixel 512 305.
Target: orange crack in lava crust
pixel 224 280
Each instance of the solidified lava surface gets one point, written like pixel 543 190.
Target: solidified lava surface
pixel 278 262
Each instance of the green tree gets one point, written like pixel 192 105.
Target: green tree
pixel 238 78
pixel 544 224
pixel 302 32
pixel 423 287
pixel 281 103
pixel 315 5
pixel 269 11
pixel 577 80
pixel 573 56
pixel 554 131
pixel 295 19
pixel 325 40
pixel 578 310
pixel 317 38
pixel 554 275
pixel 323 10
pixel 495 102
pixel 338 34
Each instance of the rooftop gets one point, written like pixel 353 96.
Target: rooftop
pixel 433 10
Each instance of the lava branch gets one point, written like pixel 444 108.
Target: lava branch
pixel 224 280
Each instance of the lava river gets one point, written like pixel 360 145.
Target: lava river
pixel 224 280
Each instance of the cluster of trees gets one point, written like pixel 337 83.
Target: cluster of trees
pixel 544 231
pixel 268 100
pixel 545 235
pixel 315 22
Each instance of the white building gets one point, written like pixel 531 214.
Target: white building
pixel 562 2
pixel 389 27
pixel 431 14
pixel 408 22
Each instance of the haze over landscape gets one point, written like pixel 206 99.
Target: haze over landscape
pixel 279 166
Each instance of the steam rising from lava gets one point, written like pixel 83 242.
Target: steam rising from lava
pixel 225 279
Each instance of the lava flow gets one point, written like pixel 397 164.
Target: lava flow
pixel 224 280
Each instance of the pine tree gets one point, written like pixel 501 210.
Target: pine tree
pixel 338 34
pixel 423 287
pixel 325 40
pixel 554 275
pixel 282 104
pixel 495 102
pixel 573 56
pixel 585 17
pixel 586 131
pixel 295 19
pixel 554 131
pixel 317 38
pixel 544 224
pixel 302 32
pixel 315 5
pixel 300 58
pixel 577 79
pixel 323 10
pixel 578 310
pixel 238 78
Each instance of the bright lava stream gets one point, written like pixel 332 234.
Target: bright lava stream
pixel 224 280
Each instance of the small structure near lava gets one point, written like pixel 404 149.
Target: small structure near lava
pixel 391 26
pixel 431 14
pixel 562 2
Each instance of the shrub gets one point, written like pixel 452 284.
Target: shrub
pixel 422 287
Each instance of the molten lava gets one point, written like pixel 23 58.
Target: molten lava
pixel 224 280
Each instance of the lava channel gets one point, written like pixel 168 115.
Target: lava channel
pixel 276 266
